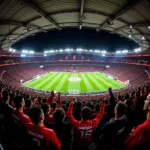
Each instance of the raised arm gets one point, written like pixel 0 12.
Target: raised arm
pixel 71 118
pixel 112 99
pixel 59 100
pixel 50 99
pixel 100 114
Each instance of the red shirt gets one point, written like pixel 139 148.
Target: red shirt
pixel 20 118
pixel 83 130
pixel 141 136
pixel 43 137
pixel 48 118
pixel 38 103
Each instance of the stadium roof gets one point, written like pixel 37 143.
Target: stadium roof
pixel 21 18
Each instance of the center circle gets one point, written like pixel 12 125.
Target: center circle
pixel 74 79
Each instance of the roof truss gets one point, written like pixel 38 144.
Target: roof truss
pixel 41 12
pixel 81 17
pixel 124 9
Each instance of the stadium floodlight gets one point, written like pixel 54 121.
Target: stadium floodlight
pixel 103 52
pixel 31 52
pixel 103 55
pixel 45 54
pixel 61 50
pixel 131 26
pixel 97 51
pixel 79 49
pixel 107 66
pixel 148 27
pixel 118 52
pixel 125 51
pixel 23 55
pixel 129 35
pixel 10 49
pixel 137 50
pixel 142 38
pixel 25 51
pixel 67 49
pixel 13 50
pixel 51 51
pixel 91 50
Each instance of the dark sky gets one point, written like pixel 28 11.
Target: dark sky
pixel 75 38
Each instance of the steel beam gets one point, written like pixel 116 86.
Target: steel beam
pixel 41 12
pixel 81 14
pixel 122 10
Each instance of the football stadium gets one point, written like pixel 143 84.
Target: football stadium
pixel 74 74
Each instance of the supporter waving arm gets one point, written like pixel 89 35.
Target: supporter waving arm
pixel 50 99
pixel 112 99
pixel 71 118
pixel 100 114
pixel 59 100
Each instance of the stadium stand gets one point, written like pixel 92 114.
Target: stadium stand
pixel 113 120
pixel 58 110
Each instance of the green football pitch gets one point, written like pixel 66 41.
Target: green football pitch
pixel 74 83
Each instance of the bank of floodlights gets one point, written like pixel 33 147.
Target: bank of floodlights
pixel 124 51
pixel 27 52
pixel 118 52
pixel 23 55
pixel 61 50
pixel 97 51
pixel 12 50
pixel 137 50
pixel 79 50
pixel 24 51
pixel 103 52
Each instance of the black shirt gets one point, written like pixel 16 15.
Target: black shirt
pixel 110 131
pixel 6 111
pixel 63 131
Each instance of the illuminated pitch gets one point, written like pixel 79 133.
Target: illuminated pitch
pixel 76 82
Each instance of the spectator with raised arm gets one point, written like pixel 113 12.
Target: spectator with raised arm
pixel 84 129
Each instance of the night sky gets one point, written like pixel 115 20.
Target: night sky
pixel 75 38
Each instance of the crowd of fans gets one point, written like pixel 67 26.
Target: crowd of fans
pixel 113 120
pixel 110 122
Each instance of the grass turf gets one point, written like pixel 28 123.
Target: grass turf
pixel 90 82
